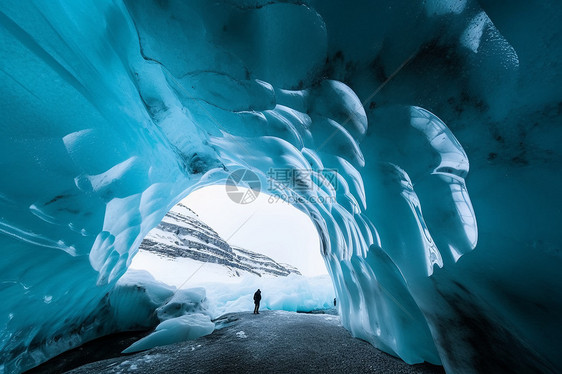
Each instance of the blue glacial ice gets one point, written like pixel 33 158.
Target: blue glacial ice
pixel 182 314
pixel 113 111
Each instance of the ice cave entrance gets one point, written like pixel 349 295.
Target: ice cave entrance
pixel 231 249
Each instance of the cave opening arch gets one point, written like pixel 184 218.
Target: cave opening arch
pixel 186 273
pixel 214 241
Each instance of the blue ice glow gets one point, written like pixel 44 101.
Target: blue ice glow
pixel 113 111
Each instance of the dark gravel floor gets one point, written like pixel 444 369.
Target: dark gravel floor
pixel 271 342
pixel 109 346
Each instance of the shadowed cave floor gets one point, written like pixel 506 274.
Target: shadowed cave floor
pixel 271 342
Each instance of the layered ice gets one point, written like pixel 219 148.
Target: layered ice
pixel 175 330
pixel 138 301
pixel 113 111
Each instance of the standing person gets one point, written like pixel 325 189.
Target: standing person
pixel 257 299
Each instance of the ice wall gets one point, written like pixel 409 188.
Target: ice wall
pixel 112 111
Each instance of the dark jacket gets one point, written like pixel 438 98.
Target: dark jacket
pixel 257 297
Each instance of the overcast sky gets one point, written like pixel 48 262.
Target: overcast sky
pixel 277 230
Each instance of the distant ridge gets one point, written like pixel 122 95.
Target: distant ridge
pixel 182 234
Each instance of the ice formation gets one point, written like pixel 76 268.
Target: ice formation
pixel 187 327
pixel 112 111
pixel 138 301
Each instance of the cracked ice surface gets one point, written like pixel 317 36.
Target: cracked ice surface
pixel 112 111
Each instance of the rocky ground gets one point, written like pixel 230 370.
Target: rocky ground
pixel 271 342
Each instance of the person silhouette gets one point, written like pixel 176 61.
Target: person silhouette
pixel 257 299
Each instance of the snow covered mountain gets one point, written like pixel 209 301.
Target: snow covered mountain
pixel 181 234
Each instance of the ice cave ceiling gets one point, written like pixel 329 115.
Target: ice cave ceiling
pixel 112 111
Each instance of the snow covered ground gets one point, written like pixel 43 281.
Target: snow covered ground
pixel 228 293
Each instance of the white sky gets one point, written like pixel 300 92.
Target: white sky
pixel 276 229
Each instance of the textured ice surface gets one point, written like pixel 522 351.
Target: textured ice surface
pixel 174 330
pixel 138 301
pixel 112 111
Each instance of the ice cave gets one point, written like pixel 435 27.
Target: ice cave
pixel 425 132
